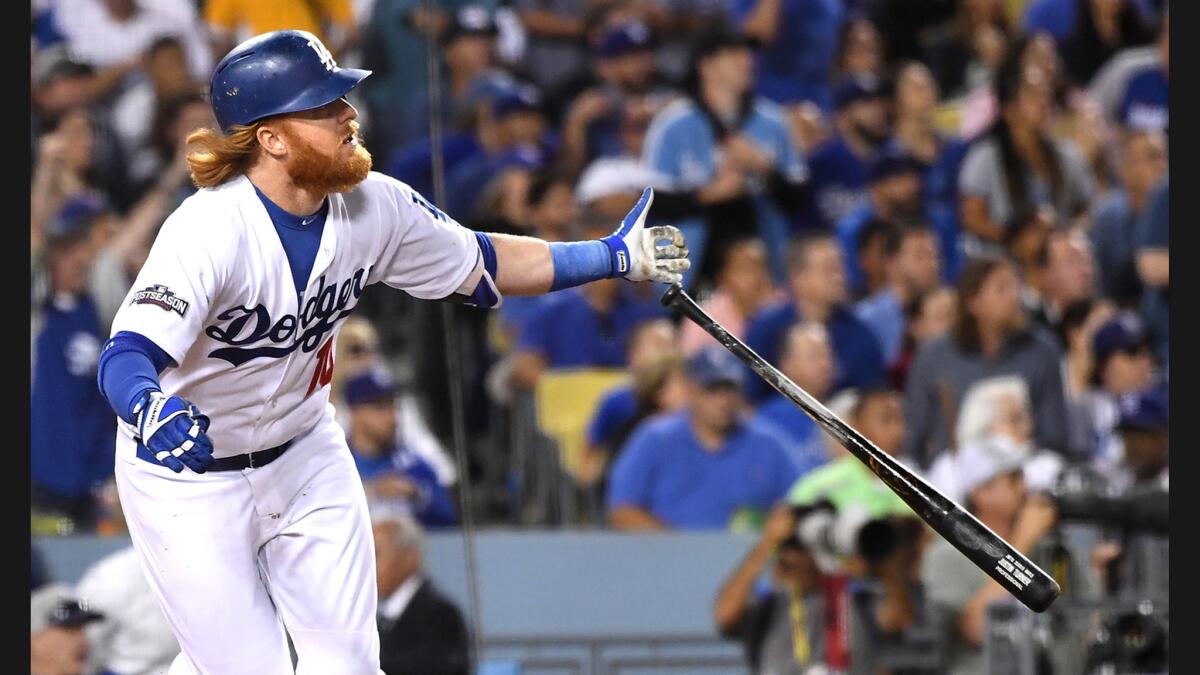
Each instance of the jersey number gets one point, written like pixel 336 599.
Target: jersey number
pixel 323 375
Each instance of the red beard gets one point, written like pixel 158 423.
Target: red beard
pixel 318 172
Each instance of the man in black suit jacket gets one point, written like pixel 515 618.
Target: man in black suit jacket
pixel 421 632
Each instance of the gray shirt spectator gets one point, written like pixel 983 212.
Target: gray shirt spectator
pixel 950 579
pixel 942 369
pixel 983 176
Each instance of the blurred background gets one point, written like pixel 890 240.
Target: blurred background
pixel 946 219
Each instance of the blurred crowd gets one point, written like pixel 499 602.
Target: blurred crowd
pixel 946 220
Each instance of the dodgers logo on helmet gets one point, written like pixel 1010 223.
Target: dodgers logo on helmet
pixel 284 71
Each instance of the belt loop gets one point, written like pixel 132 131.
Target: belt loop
pixel 250 459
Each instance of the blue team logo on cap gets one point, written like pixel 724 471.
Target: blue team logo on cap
pixel 161 296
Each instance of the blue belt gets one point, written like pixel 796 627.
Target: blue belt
pixel 250 460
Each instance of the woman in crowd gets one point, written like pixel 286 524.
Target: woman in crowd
pixel 1018 166
pixel 989 338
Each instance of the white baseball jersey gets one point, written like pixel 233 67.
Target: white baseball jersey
pixel 217 295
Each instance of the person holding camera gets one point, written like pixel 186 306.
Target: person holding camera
pixel 957 591
pixel 782 627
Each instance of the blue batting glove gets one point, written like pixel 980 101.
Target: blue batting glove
pixel 174 431
pixel 635 252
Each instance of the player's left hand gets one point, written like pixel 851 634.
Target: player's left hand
pixel 636 254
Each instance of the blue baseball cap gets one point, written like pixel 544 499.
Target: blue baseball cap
pixel 469 20
pixel 891 162
pixel 1124 332
pixel 75 218
pixel 1145 410
pixel 376 384
pixel 856 88
pixel 516 100
pixel 626 38
pixel 714 366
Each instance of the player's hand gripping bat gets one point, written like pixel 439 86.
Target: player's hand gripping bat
pixel 1008 566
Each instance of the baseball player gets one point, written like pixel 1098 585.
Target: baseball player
pixel 241 496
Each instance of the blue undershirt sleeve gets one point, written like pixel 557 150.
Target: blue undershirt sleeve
pixel 129 366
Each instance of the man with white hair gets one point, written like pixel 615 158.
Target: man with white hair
pixel 958 593
pixel 997 407
pixel 421 632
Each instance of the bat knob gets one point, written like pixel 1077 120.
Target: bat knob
pixel 668 298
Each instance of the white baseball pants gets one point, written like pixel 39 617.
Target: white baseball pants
pixel 236 556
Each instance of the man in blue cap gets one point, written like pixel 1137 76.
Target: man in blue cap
pixel 69 460
pixel 622 71
pixel 391 473
pixel 704 466
pixel 840 167
pixel 893 196
pixel 1143 426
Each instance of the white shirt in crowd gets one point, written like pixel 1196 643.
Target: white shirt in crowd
pixel 134 637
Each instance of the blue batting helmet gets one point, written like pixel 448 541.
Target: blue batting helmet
pixel 283 71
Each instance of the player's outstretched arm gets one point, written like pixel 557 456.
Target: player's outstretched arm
pixel 529 266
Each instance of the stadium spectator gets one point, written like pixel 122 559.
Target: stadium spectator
pixel 1143 161
pixel 231 21
pixel 61 83
pixel 859 51
pixel 510 134
pixel 109 34
pixel 997 407
pixel 894 198
pixel 817 283
pixel 797 44
pixel 926 317
pixel 1101 30
pixel 63 168
pixel 1143 426
pixel 557 49
pixel 783 626
pixel 743 288
pixel 847 482
pixel 391 471
pixel 68 461
pixel 622 73
pixel 1144 102
pixel 470 76
pixel 1122 364
pixel 135 111
pixel 702 467
pixel 807 359
pixel 1018 166
pixel 588 327
pixel 420 630
pixel 1080 321
pixel 911 269
pixel 916 134
pixel 1154 266
pixel 133 637
pixel 57 642
pixel 958 592
pixel 839 168
pixel 722 128
pixel 1066 274
pixel 964 51
pixel 989 338
pixel 655 370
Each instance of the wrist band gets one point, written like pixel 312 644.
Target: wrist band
pixel 578 262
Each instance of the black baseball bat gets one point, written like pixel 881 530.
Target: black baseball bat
pixel 990 552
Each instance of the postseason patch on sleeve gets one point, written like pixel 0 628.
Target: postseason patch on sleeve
pixel 160 296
